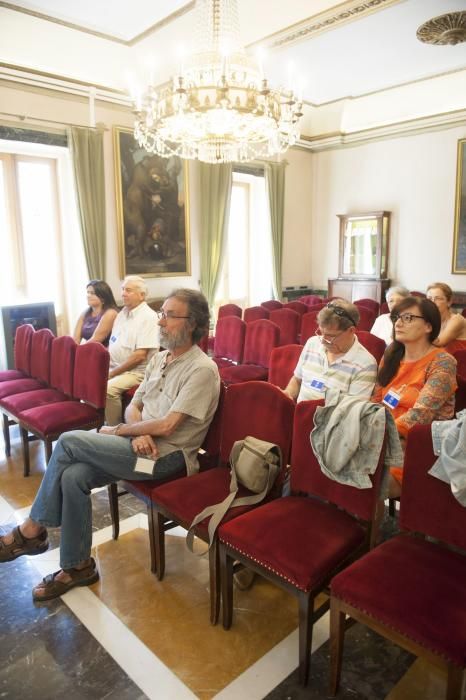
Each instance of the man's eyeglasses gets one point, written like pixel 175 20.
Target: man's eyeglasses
pixel 404 318
pixel 340 311
pixel 328 339
pixel 161 315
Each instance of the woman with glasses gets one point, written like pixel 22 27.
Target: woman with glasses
pixel 452 334
pixel 383 326
pixel 416 380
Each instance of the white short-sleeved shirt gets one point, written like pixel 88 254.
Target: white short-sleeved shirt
pixel 132 330
pixel 190 384
pixel 354 373
pixel 383 328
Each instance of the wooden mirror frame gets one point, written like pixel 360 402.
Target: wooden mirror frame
pixel 381 257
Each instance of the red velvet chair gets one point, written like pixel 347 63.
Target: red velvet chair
pixel 283 361
pixel 60 386
pixel 229 341
pixel 366 319
pixel 272 305
pixel 460 357
pixel 204 343
pixel 298 542
pixel 375 345
pixel 297 306
pixel 310 299
pixel 309 325
pixel 463 313
pixel 460 396
pixel 289 323
pixel 208 458
pixel 22 354
pixel 269 416
pixel 261 338
pixel 383 308
pixel 409 589
pixel 370 304
pixel 255 313
pixel 84 412
pixel 229 310
pixel 418 294
pixel 41 347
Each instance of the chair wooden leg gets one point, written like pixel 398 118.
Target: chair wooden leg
pixel 226 575
pixel 112 490
pixel 454 682
pixel 25 445
pixel 157 541
pixel 6 435
pixel 214 582
pixel 392 507
pixel 306 608
pixel 48 450
pixel 337 638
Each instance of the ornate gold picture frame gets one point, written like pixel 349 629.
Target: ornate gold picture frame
pixel 459 241
pixel 152 210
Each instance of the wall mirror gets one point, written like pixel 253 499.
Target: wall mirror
pixel 364 244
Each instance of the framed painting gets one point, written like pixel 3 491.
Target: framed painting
pixel 152 210
pixel 459 241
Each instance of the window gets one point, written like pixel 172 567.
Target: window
pixel 246 277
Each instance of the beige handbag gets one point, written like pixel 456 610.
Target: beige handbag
pixel 255 464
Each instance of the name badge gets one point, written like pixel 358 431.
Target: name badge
pixel 391 399
pixel 317 384
pixel 113 338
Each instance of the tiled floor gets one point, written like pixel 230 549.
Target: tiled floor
pixel 130 636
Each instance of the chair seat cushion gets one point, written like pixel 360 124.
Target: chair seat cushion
pixel 417 588
pixel 10 374
pixel 223 362
pixel 300 539
pixel 243 373
pixel 57 418
pixel 18 386
pixel 30 399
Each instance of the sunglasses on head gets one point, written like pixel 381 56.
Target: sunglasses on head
pixel 340 311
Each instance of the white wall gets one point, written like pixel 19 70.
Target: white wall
pixel 411 176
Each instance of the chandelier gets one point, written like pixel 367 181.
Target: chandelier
pixel 220 107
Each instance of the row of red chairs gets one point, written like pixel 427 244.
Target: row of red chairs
pixel 56 386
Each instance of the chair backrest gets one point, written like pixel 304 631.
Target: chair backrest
pixel 297 306
pixel 229 310
pixel 375 345
pixel 310 299
pixel 212 440
pixel 463 313
pixel 204 343
pixel 258 409
pixel 272 304
pixel 460 395
pixel 460 357
pixel 229 338
pixel 261 338
pixel 383 308
pixel 22 351
pixel 91 374
pixel 254 313
pixel 62 364
pixel 427 503
pixel 41 350
pixel 307 476
pixel 366 318
pixel 308 324
pixel 417 294
pixel 283 361
pixel 289 323
pixel 370 304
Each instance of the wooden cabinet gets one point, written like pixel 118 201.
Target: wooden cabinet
pixel 353 289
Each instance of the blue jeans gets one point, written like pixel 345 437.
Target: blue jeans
pixel 80 462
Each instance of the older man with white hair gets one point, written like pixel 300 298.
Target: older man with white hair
pixel 133 340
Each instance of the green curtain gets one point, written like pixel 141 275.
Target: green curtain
pixel 87 147
pixel 275 179
pixel 215 196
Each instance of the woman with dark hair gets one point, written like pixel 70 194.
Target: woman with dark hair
pixel 416 380
pixel 452 335
pixel 95 323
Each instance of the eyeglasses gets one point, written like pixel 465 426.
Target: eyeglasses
pixel 340 311
pixel 162 316
pixel 434 299
pixel 328 339
pixel 404 318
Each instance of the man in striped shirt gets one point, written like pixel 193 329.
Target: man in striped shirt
pixel 334 358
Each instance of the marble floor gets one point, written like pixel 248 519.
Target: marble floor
pixel 130 637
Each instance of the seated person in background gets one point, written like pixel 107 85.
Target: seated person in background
pixel 95 323
pixel 165 423
pixel 133 340
pixel 416 380
pixel 334 357
pixel 452 334
pixel 383 326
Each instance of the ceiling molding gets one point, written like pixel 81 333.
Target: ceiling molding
pixel 340 139
pixel 94 32
pixel 314 25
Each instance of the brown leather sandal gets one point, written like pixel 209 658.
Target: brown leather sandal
pixel 53 588
pixel 23 545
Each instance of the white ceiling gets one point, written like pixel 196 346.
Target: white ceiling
pixel 371 53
